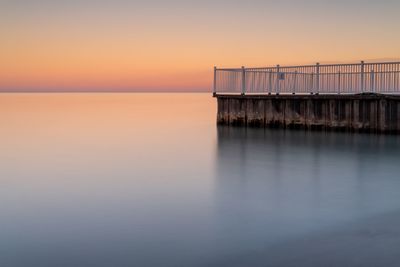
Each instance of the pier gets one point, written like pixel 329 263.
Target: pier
pixel 362 97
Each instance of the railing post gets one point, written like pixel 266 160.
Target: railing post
pixel 339 82
pixel 372 81
pixel 317 72
pixel 243 80
pixel 215 81
pixel 277 79
pixel 362 77
pixel 294 83
pixel 270 82
pixel 312 83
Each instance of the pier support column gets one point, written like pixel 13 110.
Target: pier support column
pixel 348 115
pixel 255 112
pixel 289 113
pixel 237 111
pixel 269 115
pixel 382 115
pixel 398 117
pixel 373 121
pixel 223 111
pixel 368 112
pixel 310 113
pixel 332 114
pixel 356 115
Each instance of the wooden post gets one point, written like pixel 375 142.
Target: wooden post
pixel 372 81
pixel 215 81
pixel 243 80
pixel 317 78
pixel 277 79
pixel 362 77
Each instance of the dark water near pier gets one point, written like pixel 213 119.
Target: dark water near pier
pixel 150 180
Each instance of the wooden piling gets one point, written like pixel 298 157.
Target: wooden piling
pixel 360 112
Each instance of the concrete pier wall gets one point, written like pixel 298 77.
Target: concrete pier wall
pixel 360 113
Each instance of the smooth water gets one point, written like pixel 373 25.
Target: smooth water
pixel 150 180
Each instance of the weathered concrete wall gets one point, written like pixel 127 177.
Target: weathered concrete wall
pixel 366 112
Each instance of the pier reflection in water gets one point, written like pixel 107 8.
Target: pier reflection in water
pixel 301 198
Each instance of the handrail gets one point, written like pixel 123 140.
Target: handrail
pixel 352 78
pixel 321 65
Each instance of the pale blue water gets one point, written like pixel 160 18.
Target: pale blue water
pixel 150 180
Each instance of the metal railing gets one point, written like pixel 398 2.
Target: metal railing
pixel 357 78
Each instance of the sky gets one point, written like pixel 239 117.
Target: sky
pixel 160 45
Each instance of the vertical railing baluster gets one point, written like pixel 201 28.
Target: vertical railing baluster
pixel 264 81
pixel 277 79
pixel 270 82
pixel 317 78
pixel 372 85
pixel 243 80
pixel 362 77
pixel 254 82
pixel 312 82
pixel 396 75
pixel 215 81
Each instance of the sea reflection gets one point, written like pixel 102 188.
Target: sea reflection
pixel 150 180
pixel 277 187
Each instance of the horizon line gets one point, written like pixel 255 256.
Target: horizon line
pixel 106 92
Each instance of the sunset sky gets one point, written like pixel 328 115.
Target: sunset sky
pixel 159 45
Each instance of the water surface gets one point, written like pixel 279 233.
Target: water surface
pixel 150 180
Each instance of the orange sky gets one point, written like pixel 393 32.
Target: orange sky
pixel 159 45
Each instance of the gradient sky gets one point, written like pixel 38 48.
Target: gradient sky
pixel 159 45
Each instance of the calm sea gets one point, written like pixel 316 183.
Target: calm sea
pixel 150 180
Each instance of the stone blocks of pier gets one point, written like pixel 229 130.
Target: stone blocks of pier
pixel 359 113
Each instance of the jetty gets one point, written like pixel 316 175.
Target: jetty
pixel 360 97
